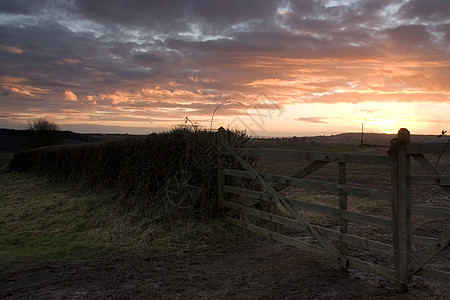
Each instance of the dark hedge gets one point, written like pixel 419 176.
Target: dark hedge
pixel 173 174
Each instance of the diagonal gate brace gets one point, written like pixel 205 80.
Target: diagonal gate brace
pixel 432 251
pixel 429 168
pixel 315 165
pixel 280 199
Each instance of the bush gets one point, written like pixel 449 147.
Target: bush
pixel 40 133
pixel 169 175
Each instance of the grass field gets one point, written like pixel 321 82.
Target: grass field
pixel 5 158
pixel 46 222
pixel 65 241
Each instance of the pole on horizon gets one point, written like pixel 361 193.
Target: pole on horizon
pixel 362 133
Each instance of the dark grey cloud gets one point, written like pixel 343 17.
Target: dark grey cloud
pixel 320 17
pixel 444 29
pixel 53 54
pixel 25 7
pixel 410 37
pixel 173 17
pixel 430 10
pixel 160 16
pixel 192 54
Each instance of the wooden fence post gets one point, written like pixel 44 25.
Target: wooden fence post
pixel 401 202
pixel 343 205
pixel 220 175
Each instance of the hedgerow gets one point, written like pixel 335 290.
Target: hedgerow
pixel 171 174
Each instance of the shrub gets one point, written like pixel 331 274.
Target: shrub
pixel 168 175
pixel 41 132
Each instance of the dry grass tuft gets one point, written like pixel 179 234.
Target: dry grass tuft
pixel 43 221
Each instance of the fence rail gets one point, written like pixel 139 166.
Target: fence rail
pixel 318 156
pixel 332 242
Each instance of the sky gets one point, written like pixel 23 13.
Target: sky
pixel 273 68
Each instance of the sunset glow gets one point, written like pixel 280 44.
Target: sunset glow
pixel 283 68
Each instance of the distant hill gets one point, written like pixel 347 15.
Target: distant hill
pixel 343 141
pixel 376 139
pixel 11 140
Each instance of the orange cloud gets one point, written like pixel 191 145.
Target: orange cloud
pixel 12 80
pixel 70 96
pixel 18 85
pixel 70 61
pixel 164 93
pixel 312 120
pixel 11 49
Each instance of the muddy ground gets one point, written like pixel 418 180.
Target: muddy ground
pixel 255 268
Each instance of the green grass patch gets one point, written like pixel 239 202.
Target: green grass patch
pixel 41 221
pixel 5 158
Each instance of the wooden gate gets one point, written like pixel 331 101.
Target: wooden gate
pixel 255 201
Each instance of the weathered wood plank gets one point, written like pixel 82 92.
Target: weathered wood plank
pixel 353 262
pixel 395 144
pixel 404 218
pixel 434 275
pixel 220 188
pixel 329 233
pixel 244 174
pixel 357 241
pixel 259 196
pixel 248 193
pixel 441 180
pixel 422 240
pixel 329 187
pixel 364 159
pixel 426 164
pixel 317 185
pixel 315 165
pixel 280 199
pixel 317 208
pixel 370 268
pixel 433 171
pixel 433 211
pixel 426 148
pixel 402 209
pixel 238 173
pixel 345 214
pixel 343 226
pixel 429 253
pixel 280 237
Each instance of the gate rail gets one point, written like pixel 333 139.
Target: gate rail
pixel 334 243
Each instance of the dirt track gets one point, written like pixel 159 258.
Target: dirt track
pixel 253 269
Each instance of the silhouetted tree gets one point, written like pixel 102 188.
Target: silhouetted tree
pixel 42 132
